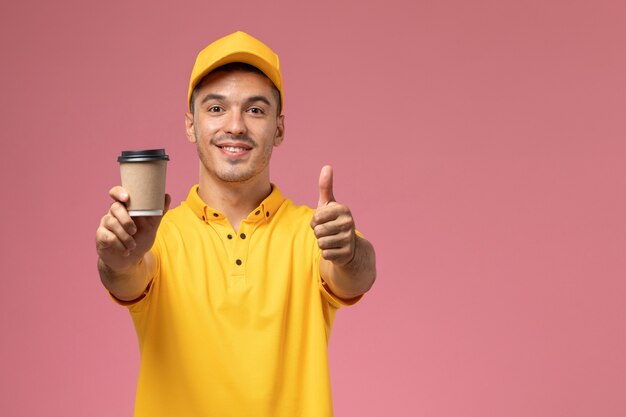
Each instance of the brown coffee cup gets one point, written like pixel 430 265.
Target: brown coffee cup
pixel 143 175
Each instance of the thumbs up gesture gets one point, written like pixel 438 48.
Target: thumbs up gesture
pixel 333 224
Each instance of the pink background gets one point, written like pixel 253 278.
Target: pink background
pixel 480 144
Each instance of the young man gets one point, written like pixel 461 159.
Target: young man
pixel 233 293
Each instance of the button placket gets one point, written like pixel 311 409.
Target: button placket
pixel 241 243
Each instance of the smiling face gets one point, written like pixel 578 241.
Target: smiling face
pixel 235 126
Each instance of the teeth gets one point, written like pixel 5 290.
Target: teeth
pixel 233 149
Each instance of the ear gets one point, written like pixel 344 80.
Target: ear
pixel 189 130
pixel 280 130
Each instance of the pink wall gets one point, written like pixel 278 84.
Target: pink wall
pixel 480 144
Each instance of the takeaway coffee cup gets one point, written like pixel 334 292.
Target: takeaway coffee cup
pixel 143 176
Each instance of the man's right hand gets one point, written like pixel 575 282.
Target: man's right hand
pixel 122 242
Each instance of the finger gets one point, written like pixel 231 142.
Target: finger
pixel 336 241
pixel 106 240
pixel 114 226
pixel 329 213
pixel 340 256
pixel 118 210
pixel 119 194
pixel 341 225
pixel 326 186
pixel 322 216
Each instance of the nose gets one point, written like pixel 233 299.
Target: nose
pixel 235 124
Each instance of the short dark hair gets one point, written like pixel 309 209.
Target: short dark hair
pixel 236 66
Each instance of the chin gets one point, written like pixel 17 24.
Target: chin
pixel 235 176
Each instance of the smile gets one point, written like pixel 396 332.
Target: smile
pixel 233 149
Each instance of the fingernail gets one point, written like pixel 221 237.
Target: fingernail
pixel 123 196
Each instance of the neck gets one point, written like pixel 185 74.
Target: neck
pixel 235 199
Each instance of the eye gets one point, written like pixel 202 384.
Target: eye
pixel 214 109
pixel 256 110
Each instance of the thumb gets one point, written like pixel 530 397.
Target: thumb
pixel 326 186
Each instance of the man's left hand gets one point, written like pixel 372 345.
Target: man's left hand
pixel 333 224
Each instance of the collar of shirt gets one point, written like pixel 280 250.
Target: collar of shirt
pixel 263 212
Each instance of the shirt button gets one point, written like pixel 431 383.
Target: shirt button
pixel 243 235
pixel 229 236
pixel 203 218
pixel 267 214
pixel 238 261
pixel 257 212
pixel 216 215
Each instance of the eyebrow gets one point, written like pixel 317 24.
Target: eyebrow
pixel 250 99
pixel 259 98
pixel 212 97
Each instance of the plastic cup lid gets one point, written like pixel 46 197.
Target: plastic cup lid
pixel 144 155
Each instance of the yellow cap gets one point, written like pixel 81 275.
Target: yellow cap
pixel 237 47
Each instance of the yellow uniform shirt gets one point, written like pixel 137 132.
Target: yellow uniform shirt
pixel 235 324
